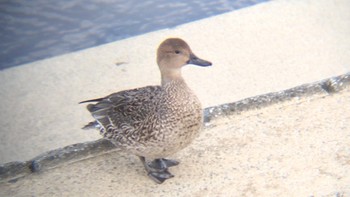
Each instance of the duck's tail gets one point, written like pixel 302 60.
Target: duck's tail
pixel 92 100
pixel 92 125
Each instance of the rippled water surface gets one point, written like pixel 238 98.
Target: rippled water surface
pixel 37 29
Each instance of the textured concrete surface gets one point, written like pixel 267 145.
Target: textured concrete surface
pixel 264 48
pixel 10 172
pixel 295 148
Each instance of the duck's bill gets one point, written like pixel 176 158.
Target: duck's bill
pixel 197 61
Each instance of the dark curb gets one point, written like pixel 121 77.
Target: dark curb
pixel 12 171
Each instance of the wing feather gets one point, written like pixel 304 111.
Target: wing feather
pixel 125 109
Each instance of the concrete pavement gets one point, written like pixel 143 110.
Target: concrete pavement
pixel 294 148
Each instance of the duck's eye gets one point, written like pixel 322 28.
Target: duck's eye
pixel 177 51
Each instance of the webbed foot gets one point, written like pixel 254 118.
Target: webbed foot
pixel 157 170
pixel 163 163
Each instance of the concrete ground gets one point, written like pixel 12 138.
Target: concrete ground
pixel 295 148
pixel 264 48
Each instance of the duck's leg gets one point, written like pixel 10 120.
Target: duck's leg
pixel 163 163
pixel 157 170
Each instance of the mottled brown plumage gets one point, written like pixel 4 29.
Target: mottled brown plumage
pixel 155 121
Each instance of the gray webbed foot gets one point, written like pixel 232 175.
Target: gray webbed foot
pixel 157 170
pixel 163 163
pixel 160 176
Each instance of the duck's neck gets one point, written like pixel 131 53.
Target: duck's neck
pixel 171 76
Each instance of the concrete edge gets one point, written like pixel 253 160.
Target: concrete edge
pixel 12 171
pixel 327 86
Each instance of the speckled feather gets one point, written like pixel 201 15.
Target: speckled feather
pixel 153 121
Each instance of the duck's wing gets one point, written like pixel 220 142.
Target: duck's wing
pixel 123 110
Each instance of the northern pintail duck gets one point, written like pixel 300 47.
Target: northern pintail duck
pixel 154 122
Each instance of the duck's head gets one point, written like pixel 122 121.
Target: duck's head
pixel 173 54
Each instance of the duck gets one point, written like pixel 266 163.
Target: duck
pixel 153 122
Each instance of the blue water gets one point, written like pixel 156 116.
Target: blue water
pixel 37 29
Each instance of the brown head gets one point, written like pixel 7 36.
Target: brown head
pixel 172 55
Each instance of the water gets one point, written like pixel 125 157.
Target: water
pixel 38 29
